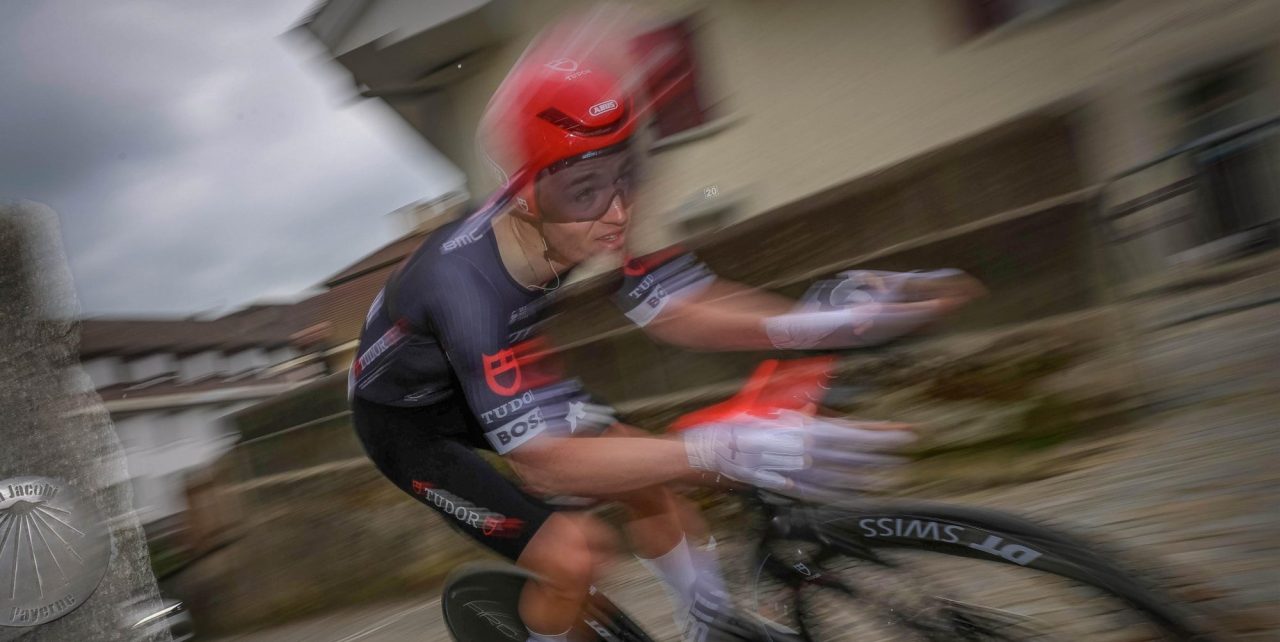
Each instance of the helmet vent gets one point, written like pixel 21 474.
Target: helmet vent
pixel 567 123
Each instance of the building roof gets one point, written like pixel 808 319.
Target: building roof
pixel 171 386
pixel 383 257
pixel 344 307
pixel 264 326
pixel 330 318
pixel 423 217
pixel 338 313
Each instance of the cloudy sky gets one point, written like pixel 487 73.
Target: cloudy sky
pixel 198 158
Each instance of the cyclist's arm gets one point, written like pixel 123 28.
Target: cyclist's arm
pixel 732 316
pixel 724 316
pixel 600 466
pixel 678 300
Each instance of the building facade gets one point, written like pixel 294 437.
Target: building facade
pixel 799 99
pixel 168 384
pixel 821 136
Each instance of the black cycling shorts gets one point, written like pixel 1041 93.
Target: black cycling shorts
pixel 428 453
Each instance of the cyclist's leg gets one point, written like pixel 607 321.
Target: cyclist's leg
pixel 658 517
pixel 665 530
pixel 568 552
pixel 451 478
pixel 448 476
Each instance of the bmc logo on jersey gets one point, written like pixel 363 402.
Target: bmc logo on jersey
pixel 502 372
pixel 460 241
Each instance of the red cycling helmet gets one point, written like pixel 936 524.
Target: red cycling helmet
pixel 567 97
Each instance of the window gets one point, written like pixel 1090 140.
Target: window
pixel 134 433
pixel 982 16
pixel 1236 175
pixel 674 82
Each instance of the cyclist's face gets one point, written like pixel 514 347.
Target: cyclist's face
pixel 573 243
pixel 586 189
pixel 586 207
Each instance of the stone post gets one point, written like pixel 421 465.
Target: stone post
pixel 52 426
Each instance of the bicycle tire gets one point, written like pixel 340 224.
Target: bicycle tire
pixel 907 541
pixel 481 600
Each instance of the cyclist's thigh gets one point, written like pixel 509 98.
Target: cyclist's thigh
pixel 449 477
pixel 570 546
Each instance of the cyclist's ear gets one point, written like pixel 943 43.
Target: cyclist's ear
pixel 523 213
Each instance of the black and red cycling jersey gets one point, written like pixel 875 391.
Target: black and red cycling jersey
pixel 461 325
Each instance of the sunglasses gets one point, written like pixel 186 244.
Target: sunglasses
pixel 583 188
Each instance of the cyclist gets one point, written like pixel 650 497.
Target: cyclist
pixel 449 360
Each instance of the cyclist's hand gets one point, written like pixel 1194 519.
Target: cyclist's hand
pixel 865 308
pixel 794 452
pixel 748 451
pixel 897 293
pixel 860 287
pixel 849 456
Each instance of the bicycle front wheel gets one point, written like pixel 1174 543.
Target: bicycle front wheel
pixel 481 604
pixel 932 572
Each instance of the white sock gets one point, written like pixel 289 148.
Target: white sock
pixel 707 564
pixel 543 637
pixel 676 570
pixel 683 566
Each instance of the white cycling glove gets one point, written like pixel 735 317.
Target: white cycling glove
pixel 859 287
pixel 859 309
pixel 793 452
pixel 858 326
pixel 748 452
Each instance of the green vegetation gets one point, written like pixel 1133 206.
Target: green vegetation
pixel 316 400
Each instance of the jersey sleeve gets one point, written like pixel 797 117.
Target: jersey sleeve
pixel 651 283
pixel 515 390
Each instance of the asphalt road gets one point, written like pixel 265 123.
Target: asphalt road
pixel 408 620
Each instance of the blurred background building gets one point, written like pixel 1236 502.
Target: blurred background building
pixel 813 138
pixel 171 384
pixel 168 382
pixel 794 107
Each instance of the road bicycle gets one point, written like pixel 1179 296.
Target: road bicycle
pixel 865 569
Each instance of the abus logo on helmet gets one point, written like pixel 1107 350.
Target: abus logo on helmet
pixel 603 108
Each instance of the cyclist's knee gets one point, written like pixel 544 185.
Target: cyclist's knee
pixel 568 549
pixel 654 500
pixel 664 513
